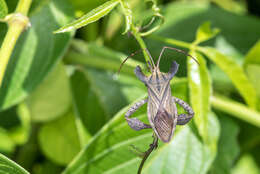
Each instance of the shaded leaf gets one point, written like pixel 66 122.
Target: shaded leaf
pixel 90 17
pixel 36 52
pixel 87 105
pixel 200 92
pixel 46 167
pixel 205 33
pixel 99 57
pixel 184 17
pixel 235 73
pixel 228 148
pixel 7 166
pixel 59 139
pixel 3 9
pixel 94 103
pixel 51 98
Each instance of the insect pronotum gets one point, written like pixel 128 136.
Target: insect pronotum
pixel 161 107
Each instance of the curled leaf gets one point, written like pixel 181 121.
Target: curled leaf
pixel 205 33
pixel 90 17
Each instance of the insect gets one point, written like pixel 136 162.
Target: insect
pixel 161 107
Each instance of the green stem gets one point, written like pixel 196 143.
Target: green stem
pixel 236 109
pixel 171 41
pixel 139 39
pixel 23 7
pixel 17 22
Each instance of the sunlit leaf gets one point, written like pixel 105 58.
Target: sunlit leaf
pixel 235 73
pixel 200 92
pixel 236 109
pixel 205 33
pixel 185 154
pixel 59 139
pixel 90 17
pixel 51 98
pixel 3 9
pixel 109 151
pixel 36 52
pixel 246 164
pixel 128 16
pixel 21 133
pixel 252 68
pixel 7 166
pixel 6 144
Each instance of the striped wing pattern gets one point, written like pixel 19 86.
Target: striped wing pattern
pixel 162 112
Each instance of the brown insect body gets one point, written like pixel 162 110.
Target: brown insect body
pixel 161 108
pixel 162 111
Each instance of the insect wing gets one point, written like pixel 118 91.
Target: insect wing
pixel 164 125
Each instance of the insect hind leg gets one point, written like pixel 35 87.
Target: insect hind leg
pixel 184 118
pixel 135 123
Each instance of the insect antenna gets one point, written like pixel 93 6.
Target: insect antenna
pixel 134 53
pixel 175 49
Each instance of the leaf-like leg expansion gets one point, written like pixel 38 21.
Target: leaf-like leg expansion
pixel 134 123
pixel 184 118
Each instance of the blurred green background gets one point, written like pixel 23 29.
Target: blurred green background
pixel 62 103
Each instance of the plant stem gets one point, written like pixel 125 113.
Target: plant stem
pixel 171 41
pixel 139 39
pixel 236 109
pixel 23 7
pixel 17 22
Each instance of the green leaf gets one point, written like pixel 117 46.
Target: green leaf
pixel 185 154
pixel 88 108
pixel 90 17
pixel 7 166
pixel 228 148
pixel 91 97
pixel 36 52
pixel 3 9
pixel 20 134
pixel 6 144
pixel 246 164
pixel 51 98
pixel 16 121
pixel 200 92
pixel 234 72
pixel 252 68
pixel 128 16
pixel 59 139
pixel 46 167
pixel 99 57
pixel 109 150
pixel 205 33
pixel 184 17
pixel 236 109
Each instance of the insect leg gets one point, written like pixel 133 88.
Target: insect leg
pixel 134 123
pixel 184 118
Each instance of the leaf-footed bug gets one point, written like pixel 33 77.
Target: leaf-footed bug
pixel 161 107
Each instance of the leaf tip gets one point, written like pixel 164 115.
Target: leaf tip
pixel 64 29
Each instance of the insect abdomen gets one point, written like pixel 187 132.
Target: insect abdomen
pixel 163 124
